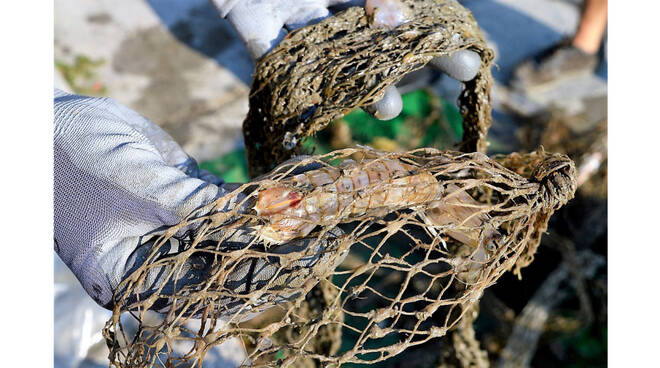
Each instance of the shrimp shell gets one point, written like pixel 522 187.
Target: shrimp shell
pixel 331 195
pixel 463 218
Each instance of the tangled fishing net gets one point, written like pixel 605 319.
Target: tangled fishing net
pixel 352 256
pixel 321 72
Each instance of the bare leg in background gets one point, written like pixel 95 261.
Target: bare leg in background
pixel 592 26
pixel 570 58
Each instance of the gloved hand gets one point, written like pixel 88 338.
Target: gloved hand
pixel 120 182
pixel 262 24
pixel 283 277
pixel 119 179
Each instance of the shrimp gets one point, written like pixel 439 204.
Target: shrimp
pixel 334 194
pixel 328 196
pixel 461 215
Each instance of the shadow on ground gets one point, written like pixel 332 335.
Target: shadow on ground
pixel 197 24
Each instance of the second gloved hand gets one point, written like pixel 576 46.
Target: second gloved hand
pixel 262 24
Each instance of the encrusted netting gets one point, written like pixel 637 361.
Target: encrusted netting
pixel 401 245
pixel 323 71
pixel 352 256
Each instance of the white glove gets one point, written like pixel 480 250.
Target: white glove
pixel 119 179
pixel 120 182
pixel 262 24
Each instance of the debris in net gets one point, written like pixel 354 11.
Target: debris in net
pixel 321 72
pixel 441 270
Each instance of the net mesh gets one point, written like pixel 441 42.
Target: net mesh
pixel 402 243
pixel 353 256
pixel 321 72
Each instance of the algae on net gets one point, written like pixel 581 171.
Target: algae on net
pixel 321 72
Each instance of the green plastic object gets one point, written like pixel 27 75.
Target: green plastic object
pixel 417 106
pixel 232 167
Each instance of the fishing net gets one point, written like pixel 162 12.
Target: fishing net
pixel 350 257
pixel 321 72
pixel 399 245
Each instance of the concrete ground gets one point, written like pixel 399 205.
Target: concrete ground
pixel 182 66
pixel 175 62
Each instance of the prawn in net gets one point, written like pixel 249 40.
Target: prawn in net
pixel 398 274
